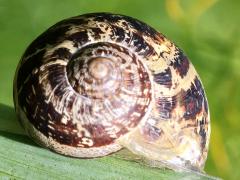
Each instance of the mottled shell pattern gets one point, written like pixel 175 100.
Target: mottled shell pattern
pixel 95 83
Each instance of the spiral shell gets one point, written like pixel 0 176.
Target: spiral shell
pixel 95 83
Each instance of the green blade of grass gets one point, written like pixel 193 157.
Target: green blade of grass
pixel 21 158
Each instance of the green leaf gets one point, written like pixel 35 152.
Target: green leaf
pixel 21 158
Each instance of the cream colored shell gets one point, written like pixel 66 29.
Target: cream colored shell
pixel 95 83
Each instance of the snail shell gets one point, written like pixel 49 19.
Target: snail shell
pixel 95 83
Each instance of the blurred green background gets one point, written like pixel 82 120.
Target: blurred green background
pixel 207 30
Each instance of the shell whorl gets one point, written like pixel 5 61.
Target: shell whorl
pixel 94 83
